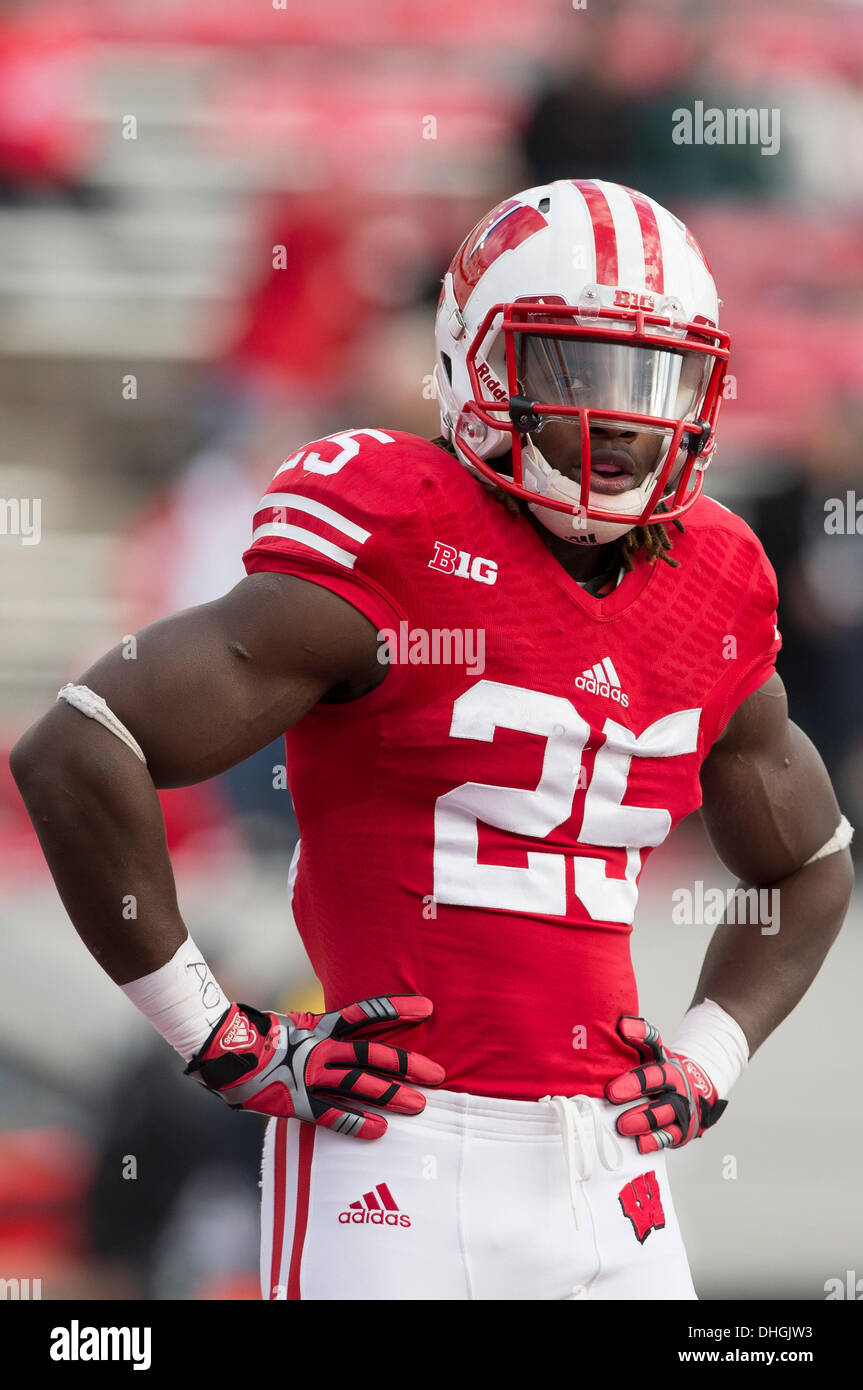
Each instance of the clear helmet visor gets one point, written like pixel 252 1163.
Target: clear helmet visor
pixel 664 383
pixel 629 379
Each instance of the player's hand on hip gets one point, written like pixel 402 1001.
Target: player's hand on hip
pixel 319 1067
pixel 679 1100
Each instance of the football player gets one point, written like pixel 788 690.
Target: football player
pixel 473 834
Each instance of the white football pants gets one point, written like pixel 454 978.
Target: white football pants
pixel 473 1199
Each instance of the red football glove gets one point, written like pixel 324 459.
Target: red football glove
pixel 680 1100
pixel 303 1065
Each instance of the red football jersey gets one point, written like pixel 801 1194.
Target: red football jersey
pixel 474 829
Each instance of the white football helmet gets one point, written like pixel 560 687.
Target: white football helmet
pixel 586 302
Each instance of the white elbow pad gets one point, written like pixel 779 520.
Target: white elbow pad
pixel 840 839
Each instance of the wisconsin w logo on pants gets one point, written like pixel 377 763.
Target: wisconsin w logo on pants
pixel 640 1201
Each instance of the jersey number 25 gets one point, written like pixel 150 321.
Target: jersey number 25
pixel 541 886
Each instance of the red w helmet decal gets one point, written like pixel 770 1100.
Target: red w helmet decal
pixel 507 226
pixel 694 246
pixel 640 1201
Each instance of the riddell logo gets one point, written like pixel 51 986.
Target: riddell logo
pixel 377 1208
pixel 485 374
pixel 602 679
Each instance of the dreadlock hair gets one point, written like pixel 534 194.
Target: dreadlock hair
pixel 654 540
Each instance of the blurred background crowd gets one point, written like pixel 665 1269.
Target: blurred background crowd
pixel 156 366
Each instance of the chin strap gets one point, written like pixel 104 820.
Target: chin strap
pixel 546 482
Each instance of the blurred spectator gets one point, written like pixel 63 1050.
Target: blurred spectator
pixel 174 1200
pixel 819 562
pixel 609 114
pixel 44 145
pixel 186 548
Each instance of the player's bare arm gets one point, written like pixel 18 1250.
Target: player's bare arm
pixel 769 806
pixel 208 687
pixel 772 817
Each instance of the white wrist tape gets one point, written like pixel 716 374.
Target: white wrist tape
pixel 714 1040
pixel 82 698
pixel 840 839
pixel 182 999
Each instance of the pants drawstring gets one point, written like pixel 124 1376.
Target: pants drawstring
pixel 574 1113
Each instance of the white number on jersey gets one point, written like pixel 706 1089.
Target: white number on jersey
pixel 541 886
pixel 313 463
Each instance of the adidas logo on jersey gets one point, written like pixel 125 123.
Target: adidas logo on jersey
pixel 377 1208
pixel 602 679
